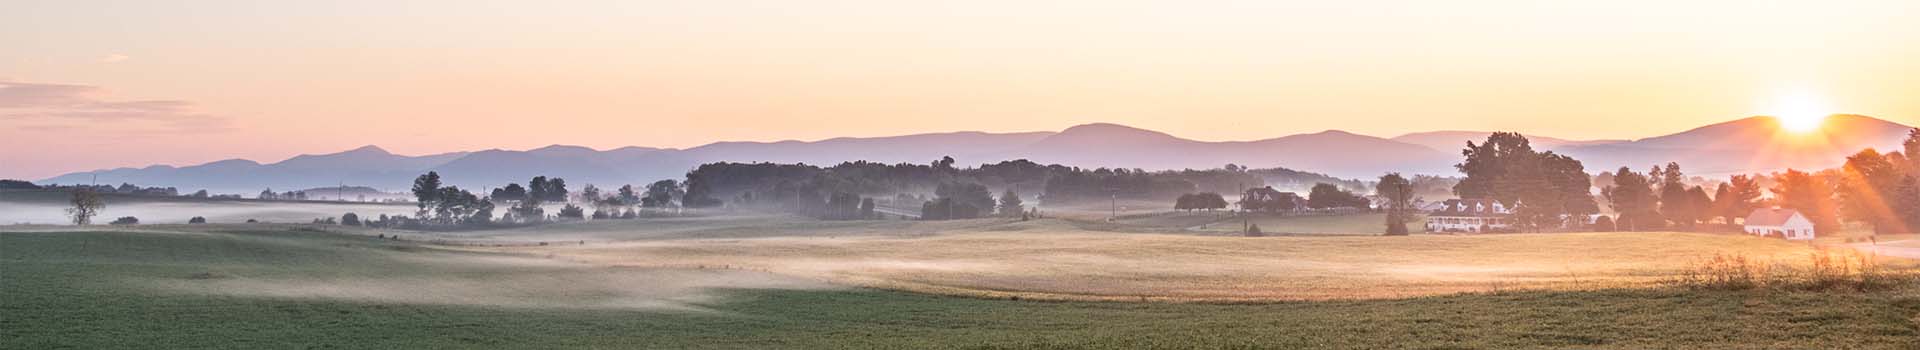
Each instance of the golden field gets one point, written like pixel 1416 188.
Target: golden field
pixel 1061 259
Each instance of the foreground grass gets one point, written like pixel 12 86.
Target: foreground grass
pixel 78 290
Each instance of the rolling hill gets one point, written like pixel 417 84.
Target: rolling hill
pixel 1746 145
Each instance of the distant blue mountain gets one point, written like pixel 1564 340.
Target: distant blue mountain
pixel 1752 144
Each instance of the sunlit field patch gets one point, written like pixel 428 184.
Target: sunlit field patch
pixel 1057 260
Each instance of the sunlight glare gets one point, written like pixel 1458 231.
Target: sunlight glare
pixel 1799 112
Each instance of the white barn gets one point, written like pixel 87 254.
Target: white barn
pixel 1776 222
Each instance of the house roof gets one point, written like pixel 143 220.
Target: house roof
pixel 1470 207
pixel 1771 217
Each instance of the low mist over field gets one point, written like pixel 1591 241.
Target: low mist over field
pixel 960 175
pixel 156 212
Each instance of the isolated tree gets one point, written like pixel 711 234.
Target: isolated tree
pixel 426 191
pixel 84 205
pixel 1010 203
pixel 1398 193
pixel 1184 203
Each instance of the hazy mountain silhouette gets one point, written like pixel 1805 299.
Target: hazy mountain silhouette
pixel 1756 144
pixel 1752 144
pixel 1336 153
pixel 1452 141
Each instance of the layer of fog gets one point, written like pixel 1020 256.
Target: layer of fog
pixel 214 211
pixel 577 288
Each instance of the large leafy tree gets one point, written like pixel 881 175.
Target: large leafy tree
pixel 662 193
pixel 1811 195
pixel 1545 188
pixel 426 191
pixel 1870 183
pixel 1737 198
pixel 512 192
pixel 1326 195
pixel 1631 196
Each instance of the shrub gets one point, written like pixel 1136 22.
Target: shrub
pixel 350 219
pixel 572 212
pixel 1254 231
pixel 125 220
pixel 197 220
pixel 252 221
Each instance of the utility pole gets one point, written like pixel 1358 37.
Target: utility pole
pixel 1113 209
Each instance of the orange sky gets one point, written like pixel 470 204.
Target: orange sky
pixel 95 84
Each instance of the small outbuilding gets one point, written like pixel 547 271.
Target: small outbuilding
pixel 1777 222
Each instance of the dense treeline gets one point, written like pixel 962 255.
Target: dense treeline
pixel 1055 183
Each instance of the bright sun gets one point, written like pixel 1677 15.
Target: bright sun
pixel 1799 112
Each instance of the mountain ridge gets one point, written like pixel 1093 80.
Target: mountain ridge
pixel 1336 152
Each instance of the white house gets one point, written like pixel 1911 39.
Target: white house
pixel 1776 222
pixel 1470 215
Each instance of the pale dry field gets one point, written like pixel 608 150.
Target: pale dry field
pixel 1056 259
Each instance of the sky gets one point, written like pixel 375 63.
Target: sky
pixel 99 84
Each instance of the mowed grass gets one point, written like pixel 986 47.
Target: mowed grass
pixel 1053 259
pixel 96 290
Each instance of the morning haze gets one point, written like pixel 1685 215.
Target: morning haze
pixel 1475 174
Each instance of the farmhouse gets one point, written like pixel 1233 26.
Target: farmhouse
pixel 1470 215
pixel 1776 222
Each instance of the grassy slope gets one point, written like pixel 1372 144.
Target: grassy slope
pixel 66 290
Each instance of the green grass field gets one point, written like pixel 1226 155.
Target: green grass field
pixel 122 290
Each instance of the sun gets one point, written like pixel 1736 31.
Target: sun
pixel 1799 112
